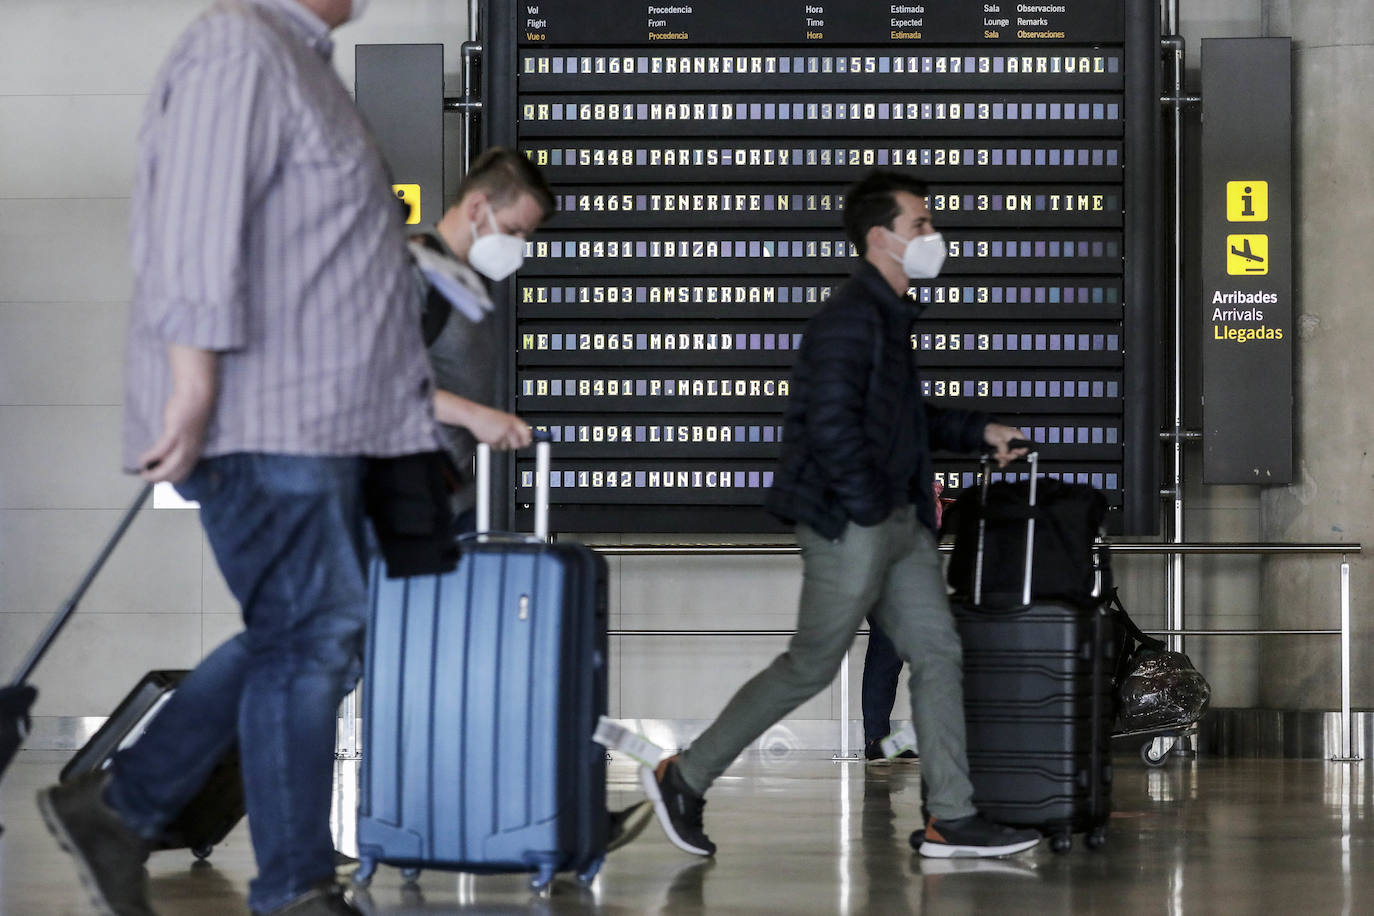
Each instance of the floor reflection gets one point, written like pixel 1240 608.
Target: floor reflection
pixel 807 835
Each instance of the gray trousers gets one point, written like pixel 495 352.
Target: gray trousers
pixel 893 571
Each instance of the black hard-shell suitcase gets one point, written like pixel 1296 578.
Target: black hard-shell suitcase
pixel 481 693
pixel 1038 704
pixel 213 812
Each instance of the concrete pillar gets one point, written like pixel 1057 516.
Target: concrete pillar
pixel 1332 498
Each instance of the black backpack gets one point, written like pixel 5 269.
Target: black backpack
pixel 1067 559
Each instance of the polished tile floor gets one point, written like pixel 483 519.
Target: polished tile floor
pixel 801 834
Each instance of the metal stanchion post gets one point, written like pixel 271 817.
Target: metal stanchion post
pixel 1347 754
pixel 844 755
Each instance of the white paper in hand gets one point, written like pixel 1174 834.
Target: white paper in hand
pixel 456 282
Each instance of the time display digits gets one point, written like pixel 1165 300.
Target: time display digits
pixel 699 168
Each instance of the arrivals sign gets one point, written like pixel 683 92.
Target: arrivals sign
pixel 1247 261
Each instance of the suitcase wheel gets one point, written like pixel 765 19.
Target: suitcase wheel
pixel 1097 838
pixel 1156 753
pixel 366 869
pixel 542 882
pixel 1061 842
pixel 410 875
pixel 202 852
pixel 585 878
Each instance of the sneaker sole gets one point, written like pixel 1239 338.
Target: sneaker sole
pixel 650 784
pixel 1011 868
pixel 933 850
pixel 83 869
pixel 633 825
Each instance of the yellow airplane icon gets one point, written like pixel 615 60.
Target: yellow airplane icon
pixel 1247 255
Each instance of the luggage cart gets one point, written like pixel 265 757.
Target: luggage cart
pixel 1157 743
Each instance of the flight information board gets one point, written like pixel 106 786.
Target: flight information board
pixel 699 153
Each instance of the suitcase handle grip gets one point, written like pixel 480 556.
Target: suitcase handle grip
pixel 542 446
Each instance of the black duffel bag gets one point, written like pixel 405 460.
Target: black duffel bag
pixel 1067 557
pixel 1155 688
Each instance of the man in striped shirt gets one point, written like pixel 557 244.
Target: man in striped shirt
pixel 272 349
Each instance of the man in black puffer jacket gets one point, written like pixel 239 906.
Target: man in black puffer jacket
pixel 855 477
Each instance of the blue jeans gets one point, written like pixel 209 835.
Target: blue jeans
pixel 882 668
pixel 288 533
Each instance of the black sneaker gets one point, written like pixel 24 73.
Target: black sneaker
pixel 109 856
pixel 971 837
pixel 628 823
pixel 907 756
pixel 679 809
pixel 325 899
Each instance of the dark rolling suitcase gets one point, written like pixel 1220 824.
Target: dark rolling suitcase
pixel 212 813
pixel 1038 702
pixel 481 692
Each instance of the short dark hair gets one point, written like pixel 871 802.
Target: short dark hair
pixel 503 175
pixel 871 201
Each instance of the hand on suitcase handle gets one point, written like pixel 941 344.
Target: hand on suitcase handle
pixel 1031 455
pixel 1005 444
pixel 542 439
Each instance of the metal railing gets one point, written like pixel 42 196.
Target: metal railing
pixel 1158 549
pixel 347 747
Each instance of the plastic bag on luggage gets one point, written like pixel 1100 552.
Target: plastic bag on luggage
pixel 1155 688
pixel 1162 690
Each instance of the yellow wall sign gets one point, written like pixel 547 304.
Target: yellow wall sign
pixel 410 195
pixel 1247 255
pixel 1247 201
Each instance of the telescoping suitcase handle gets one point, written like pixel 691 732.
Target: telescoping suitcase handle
pixel 1033 457
pixel 541 488
pixel 69 607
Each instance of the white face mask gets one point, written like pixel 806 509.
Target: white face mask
pixel 923 257
pixel 356 13
pixel 496 256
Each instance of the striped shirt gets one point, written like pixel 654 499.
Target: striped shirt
pixel 264 228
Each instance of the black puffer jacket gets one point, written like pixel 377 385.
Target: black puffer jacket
pixel 857 436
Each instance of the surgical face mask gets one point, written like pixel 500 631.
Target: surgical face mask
pixel 496 256
pixel 923 257
pixel 356 13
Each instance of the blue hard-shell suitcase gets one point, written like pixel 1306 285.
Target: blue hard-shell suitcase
pixel 481 692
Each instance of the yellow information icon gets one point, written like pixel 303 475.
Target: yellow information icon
pixel 409 194
pixel 1247 255
pixel 1247 201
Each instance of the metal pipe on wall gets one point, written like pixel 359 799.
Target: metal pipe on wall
pixel 471 48
pixel 1174 579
